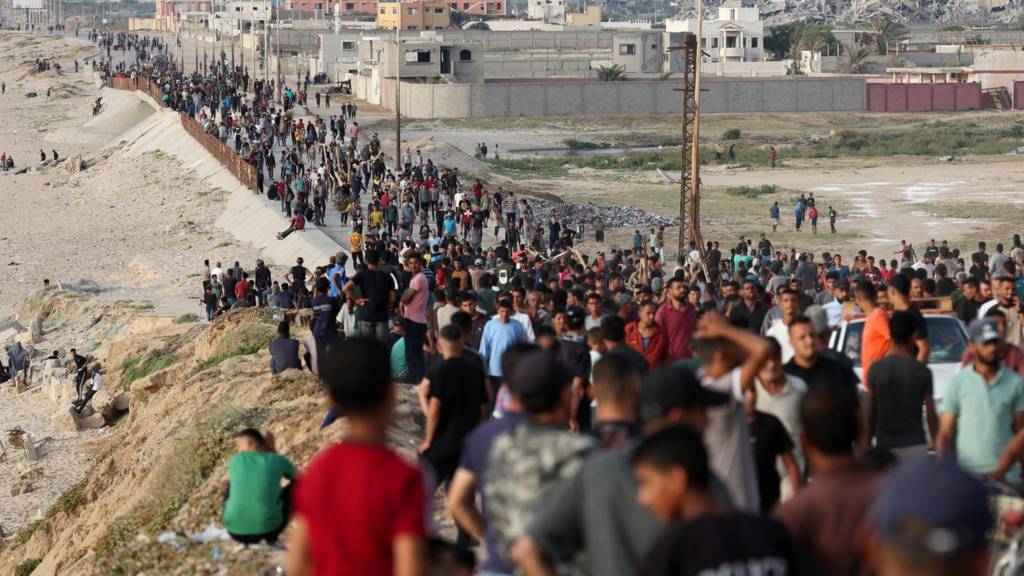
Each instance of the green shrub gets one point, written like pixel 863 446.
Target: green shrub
pixel 574 144
pixel 136 367
pixel 187 318
pixel 70 501
pixel 752 191
pixel 732 134
pixel 27 567
pixel 241 341
pixel 27 531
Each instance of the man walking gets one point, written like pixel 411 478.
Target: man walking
pixel 413 309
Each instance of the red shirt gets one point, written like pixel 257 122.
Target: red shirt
pixel 657 345
pixel 679 326
pixel 356 500
pixel 298 221
pixel 241 289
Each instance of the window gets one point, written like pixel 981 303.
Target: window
pixel 438 10
pixel 744 41
pixel 350 6
pixel 627 49
pixel 348 45
pixel 753 41
pixel 318 6
pixel 410 11
pixel 465 5
pixel 732 14
pixel 730 41
pixel 394 11
pixel 499 6
pixel 417 56
pixel 465 55
pixel 455 6
pixel 714 42
pixel 383 11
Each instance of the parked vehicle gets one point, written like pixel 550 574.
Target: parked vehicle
pixel 947 337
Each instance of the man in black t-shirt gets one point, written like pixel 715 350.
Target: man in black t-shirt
pixel 377 293
pixel 454 400
pixel 296 276
pixel 673 477
pixel 770 441
pixel 899 386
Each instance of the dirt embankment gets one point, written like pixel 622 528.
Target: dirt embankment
pixel 158 474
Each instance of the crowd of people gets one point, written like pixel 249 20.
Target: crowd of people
pixel 611 413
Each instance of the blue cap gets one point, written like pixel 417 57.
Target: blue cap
pixel 983 331
pixel 932 505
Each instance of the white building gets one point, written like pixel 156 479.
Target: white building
pixel 546 10
pixel 736 36
pixel 242 16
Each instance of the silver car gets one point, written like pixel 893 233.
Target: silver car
pixel 947 338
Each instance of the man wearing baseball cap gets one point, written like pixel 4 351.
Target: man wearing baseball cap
pixel 982 406
pixel 931 517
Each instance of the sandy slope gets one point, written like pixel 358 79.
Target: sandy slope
pixel 122 223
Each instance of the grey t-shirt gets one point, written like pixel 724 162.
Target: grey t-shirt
pixel 728 441
pixel 597 510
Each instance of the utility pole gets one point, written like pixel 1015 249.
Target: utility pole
pixel 398 93
pixel 278 26
pixel 689 178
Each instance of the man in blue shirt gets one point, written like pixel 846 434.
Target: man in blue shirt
pixel 500 333
pixel 336 274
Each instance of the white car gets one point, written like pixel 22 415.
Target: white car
pixel 947 337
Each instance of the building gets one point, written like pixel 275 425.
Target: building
pixel 354 7
pixel 546 10
pixel 414 15
pixel 639 52
pixel 174 11
pixel 489 9
pixel 589 18
pixel 736 36
pixel 317 7
pixel 242 16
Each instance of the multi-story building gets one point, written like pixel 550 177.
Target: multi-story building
pixel 590 17
pixel 354 7
pixel 309 6
pixel 414 15
pixel 736 36
pixel 546 10
pixel 491 8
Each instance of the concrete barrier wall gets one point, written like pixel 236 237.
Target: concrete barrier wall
pixel 632 97
pixel 246 216
pixel 923 97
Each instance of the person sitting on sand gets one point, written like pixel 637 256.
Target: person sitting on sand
pixel 256 507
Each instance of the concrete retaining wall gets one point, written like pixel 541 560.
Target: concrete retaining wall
pixel 246 216
pixel 632 97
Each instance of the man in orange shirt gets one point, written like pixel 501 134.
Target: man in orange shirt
pixel 874 344
pixel 646 337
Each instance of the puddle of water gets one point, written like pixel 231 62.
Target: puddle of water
pixel 925 191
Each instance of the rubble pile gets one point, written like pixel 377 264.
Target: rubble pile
pixel 575 214
pixel 775 12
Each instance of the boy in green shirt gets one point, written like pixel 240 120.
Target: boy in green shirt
pixel 257 507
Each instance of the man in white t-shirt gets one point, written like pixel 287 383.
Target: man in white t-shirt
pixel 779 394
pixel 730 361
pixel 96 385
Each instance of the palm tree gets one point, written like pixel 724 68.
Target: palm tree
pixel 856 60
pixel 611 73
pixel 887 32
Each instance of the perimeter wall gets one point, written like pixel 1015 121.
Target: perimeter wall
pixel 576 97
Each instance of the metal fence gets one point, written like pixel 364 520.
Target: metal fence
pixel 237 165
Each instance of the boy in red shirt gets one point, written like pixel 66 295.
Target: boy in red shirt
pixel 359 508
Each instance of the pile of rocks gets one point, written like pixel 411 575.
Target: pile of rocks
pixel 573 215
